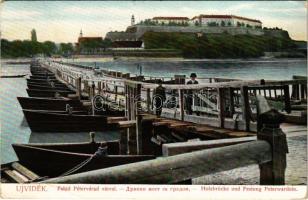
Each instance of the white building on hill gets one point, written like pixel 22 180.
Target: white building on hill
pixel 225 20
pixel 168 20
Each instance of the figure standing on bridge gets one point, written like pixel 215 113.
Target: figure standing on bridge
pixel 189 97
pixel 159 96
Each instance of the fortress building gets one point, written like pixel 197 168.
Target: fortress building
pixel 201 24
pixel 225 20
pixel 170 20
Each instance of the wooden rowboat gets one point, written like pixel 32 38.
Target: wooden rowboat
pixel 36 103
pixel 43 80
pixel 46 87
pixel 42 73
pixel 50 121
pixel 56 84
pixel 43 77
pixel 54 160
pixel 48 93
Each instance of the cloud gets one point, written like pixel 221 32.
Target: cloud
pixel 19 14
pixel 62 22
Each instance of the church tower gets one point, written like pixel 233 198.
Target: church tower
pixel 133 20
pixel 80 34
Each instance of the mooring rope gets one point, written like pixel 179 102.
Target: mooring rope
pixel 101 151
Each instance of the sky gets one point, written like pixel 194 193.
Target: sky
pixel 62 21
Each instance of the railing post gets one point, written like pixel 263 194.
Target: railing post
pixel 99 87
pixel 273 172
pixel 138 119
pixel 181 104
pixel 149 100
pixel 245 107
pixel 287 102
pixel 78 87
pixel 221 103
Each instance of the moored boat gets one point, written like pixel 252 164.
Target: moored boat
pixel 54 160
pixel 38 103
pixel 48 93
pixel 45 83
pixel 50 121
pixel 46 87
pixel 52 76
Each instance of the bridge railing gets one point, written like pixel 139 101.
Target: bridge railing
pixel 268 151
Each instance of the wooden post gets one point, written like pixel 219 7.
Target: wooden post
pixel 93 89
pixel 295 91
pixel 181 104
pixel 245 107
pixel 287 102
pixel 99 87
pixel 138 119
pixel 221 116
pixel 78 87
pixel 116 93
pixel 273 172
pixel 149 100
pixel 231 96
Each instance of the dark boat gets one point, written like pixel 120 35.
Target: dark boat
pixel 46 87
pixel 42 73
pixel 13 76
pixel 43 76
pixel 54 160
pixel 48 93
pixel 36 103
pixel 43 80
pixel 45 83
pixel 48 121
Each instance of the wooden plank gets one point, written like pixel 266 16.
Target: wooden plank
pixel 14 177
pixel 177 168
pixel 240 134
pixel 24 171
pixel 112 120
pixel 177 125
pixel 185 147
pixel 126 124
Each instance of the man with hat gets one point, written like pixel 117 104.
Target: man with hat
pixel 189 97
pixel 159 97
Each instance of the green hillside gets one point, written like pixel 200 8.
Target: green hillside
pixel 218 45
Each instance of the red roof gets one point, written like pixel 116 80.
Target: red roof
pixel 82 39
pixel 226 17
pixel 172 18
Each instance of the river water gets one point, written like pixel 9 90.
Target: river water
pixel 242 69
pixel 14 128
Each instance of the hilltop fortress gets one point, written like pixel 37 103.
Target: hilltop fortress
pixel 202 24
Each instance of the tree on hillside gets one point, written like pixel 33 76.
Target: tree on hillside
pixel 223 23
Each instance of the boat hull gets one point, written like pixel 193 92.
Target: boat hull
pixel 48 93
pixel 52 163
pixel 46 121
pixel 45 87
pixel 48 103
